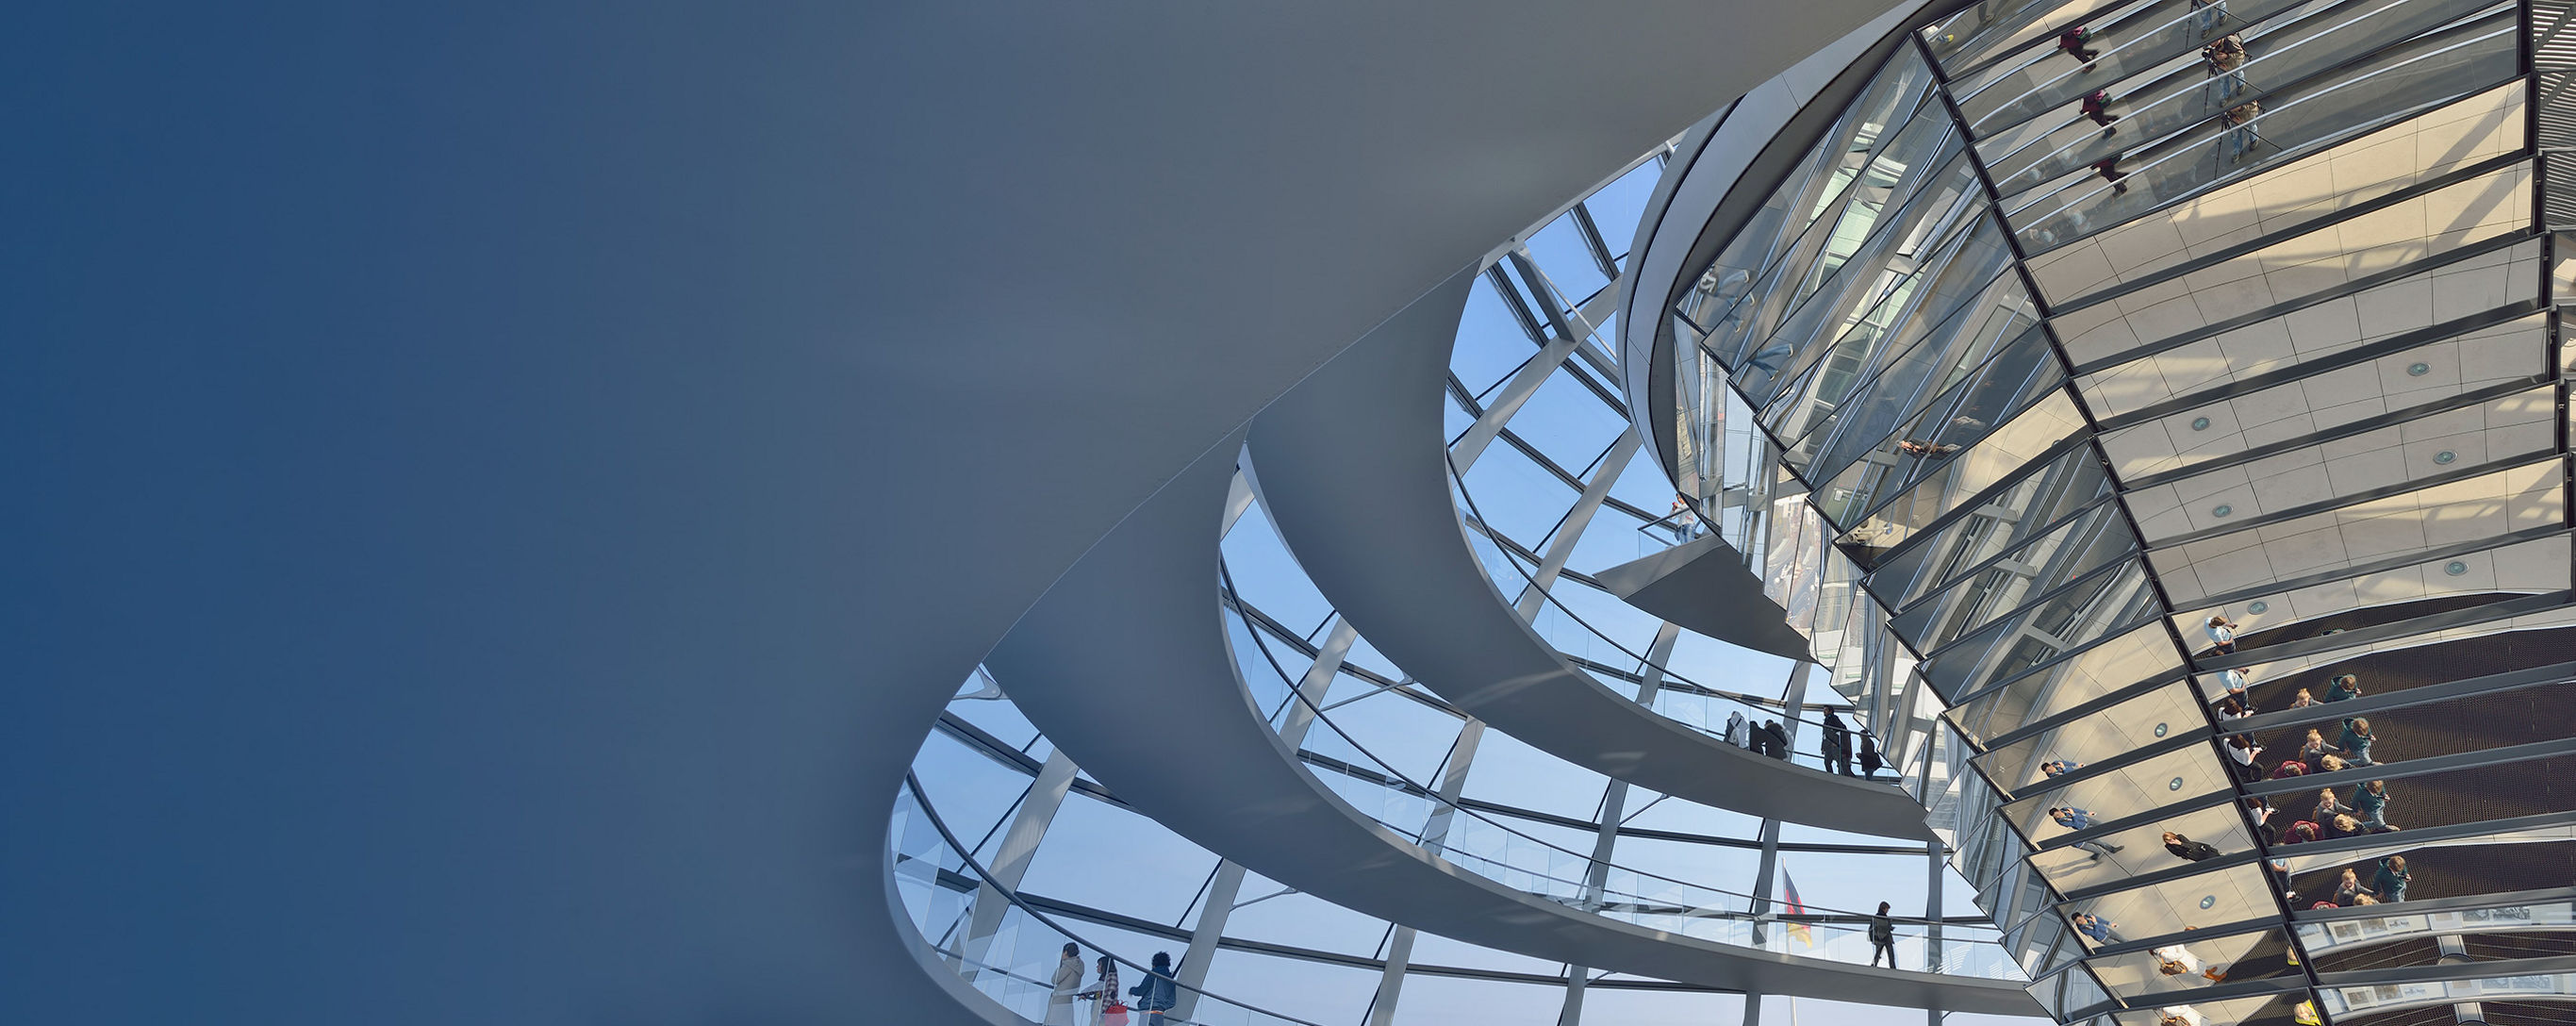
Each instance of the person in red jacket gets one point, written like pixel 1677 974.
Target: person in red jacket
pixel 2095 107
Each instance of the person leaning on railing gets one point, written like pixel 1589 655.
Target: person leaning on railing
pixel 1068 979
pixel 1157 992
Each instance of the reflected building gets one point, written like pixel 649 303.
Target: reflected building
pixel 2172 394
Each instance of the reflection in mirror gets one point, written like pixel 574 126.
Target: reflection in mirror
pixel 2097 796
pixel 2170 972
pixel 2169 711
pixel 2168 909
pixel 2213 831
pixel 2143 653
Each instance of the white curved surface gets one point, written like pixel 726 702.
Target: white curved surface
pixel 515 486
pixel 1124 664
pixel 1354 473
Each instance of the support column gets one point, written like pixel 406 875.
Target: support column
pixel 1762 877
pixel 1571 1013
pixel 1933 857
pixel 1227 884
pixel 1453 781
pixel 1506 402
pixel 1010 860
pixel 1605 841
pixel 1390 984
pixel 1552 562
pixel 1399 950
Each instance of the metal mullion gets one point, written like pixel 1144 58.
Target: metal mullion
pixel 1591 233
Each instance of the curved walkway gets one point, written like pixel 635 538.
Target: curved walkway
pixel 1124 665
pixel 1354 474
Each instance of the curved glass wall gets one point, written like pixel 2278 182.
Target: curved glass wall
pixel 2179 386
pixel 1010 850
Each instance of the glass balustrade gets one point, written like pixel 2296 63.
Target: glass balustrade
pixel 1008 951
pixel 2417 75
pixel 1477 841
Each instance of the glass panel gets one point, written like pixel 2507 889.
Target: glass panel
pixel 2131 725
pixel 2337 398
pixel 2506 430
pixel 2230 895
pixel 2414 76
pixel 2186 94
pixel 2040 501
pixel 1001 947
pixel 1949 480
pixel 2127 44
pixel 2071 618
pixel 2262 351
pixel 2083 545
pixel 2286 197
pixel 2170 973
pixel 2327 260
pixel 1973 367
pixel 2143 653
pixel 2193 771
pixel 2487 506
pixel 2110 859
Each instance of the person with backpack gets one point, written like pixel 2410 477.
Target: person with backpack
pixel 1882 937
pixel 2371 802
pixel 2392 878
pixel 1869 760
pixel 2096 104
pixel 2356 741
pixel 2071 42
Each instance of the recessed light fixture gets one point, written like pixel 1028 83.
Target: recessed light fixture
pixel 2259 608
pixel 2200 423
pixel 2455 568
pixel 2207 900
pixel 2417 370
pixel 2445 456
pixel 2174 785
pixel 2222 510
pixel 2160 730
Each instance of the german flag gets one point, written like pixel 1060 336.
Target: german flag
pixel 1795 907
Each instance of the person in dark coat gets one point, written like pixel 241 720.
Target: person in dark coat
pixel 2187 849
pixel 1779 740
pixel 1882 937
pixel 1838 742
pixel 1869 760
